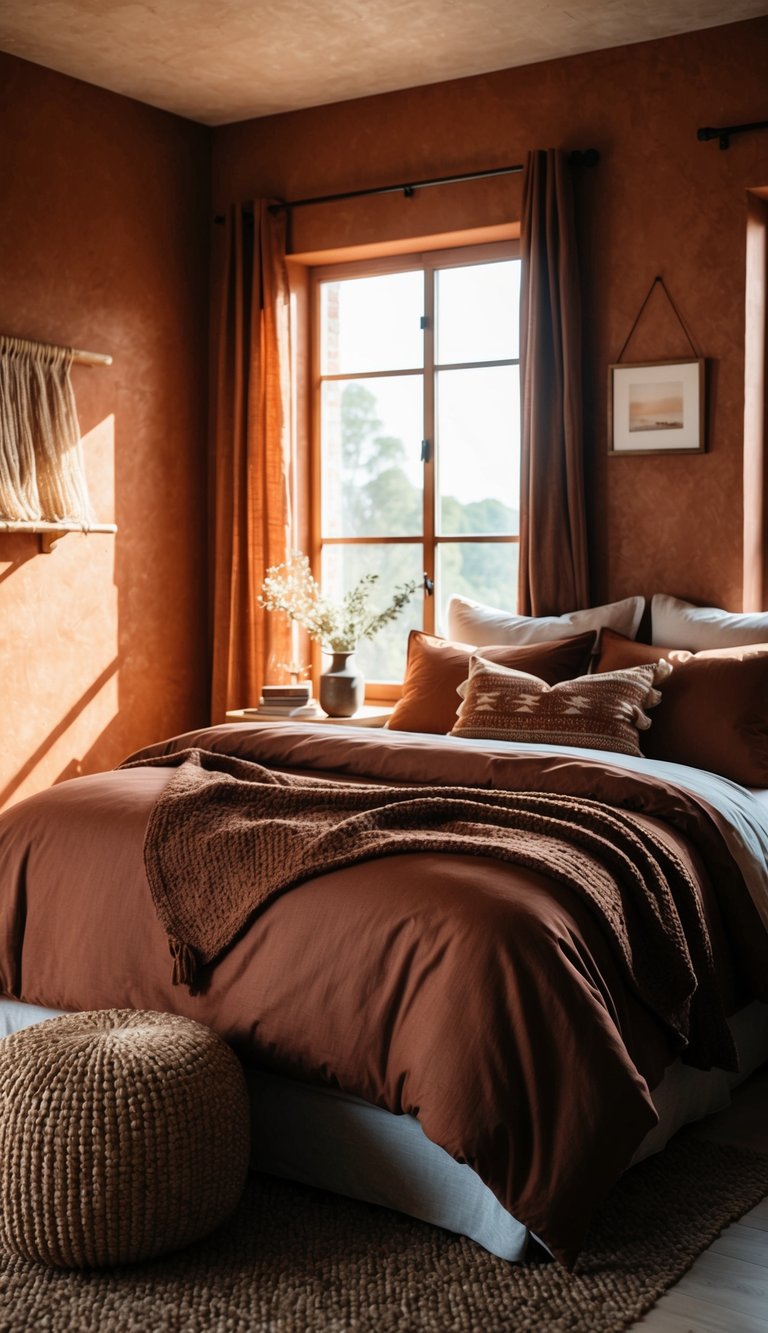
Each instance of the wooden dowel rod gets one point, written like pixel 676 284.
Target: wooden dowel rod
pixel 82 358
pixel 46 525
pixel 92 358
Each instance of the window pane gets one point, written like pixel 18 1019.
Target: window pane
pixel 371 323
pixel 383 657
pixel 371 451
pixel 484 571
pixel 478 450
pixel 477 312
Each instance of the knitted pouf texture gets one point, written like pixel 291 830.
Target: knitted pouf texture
pixel 123 1134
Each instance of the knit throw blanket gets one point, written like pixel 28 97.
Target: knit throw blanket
pixel 227 836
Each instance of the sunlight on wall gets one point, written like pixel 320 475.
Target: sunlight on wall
pixel 59 666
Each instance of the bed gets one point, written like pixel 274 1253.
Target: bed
pixel 461 1035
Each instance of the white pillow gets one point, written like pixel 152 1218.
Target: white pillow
pixel 471 622
pixel 676 624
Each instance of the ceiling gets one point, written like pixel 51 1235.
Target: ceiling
pixel 217 61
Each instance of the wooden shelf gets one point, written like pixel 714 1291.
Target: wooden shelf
pixel 49 532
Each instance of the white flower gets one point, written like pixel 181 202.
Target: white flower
pixel 339 627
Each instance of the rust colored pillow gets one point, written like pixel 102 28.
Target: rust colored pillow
pixel 616 653
pixel 603 712
pixel 436 668
pixel 714 709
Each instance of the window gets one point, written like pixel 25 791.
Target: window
pixel 418 434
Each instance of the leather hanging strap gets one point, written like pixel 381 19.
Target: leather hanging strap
pixel 658 279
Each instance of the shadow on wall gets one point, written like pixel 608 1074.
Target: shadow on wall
pixel 61 649
pixel 101 640
pixel 56 732
pixel 28 545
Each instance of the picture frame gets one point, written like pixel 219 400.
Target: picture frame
pixel 657 407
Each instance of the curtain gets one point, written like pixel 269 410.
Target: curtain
pixel 251 463
pixel 755 483
pixel 553 573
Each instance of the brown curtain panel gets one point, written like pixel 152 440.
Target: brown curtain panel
pixel 553 575
pixel 250 466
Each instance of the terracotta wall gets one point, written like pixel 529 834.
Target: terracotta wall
pixel 659 202
pixel 104 219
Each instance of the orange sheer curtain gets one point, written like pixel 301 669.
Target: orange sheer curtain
pixel 553 575
pixel 251 461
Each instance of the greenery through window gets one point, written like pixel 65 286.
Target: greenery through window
pixel 419 434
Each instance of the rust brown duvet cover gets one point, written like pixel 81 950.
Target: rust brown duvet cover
pixel 519 1007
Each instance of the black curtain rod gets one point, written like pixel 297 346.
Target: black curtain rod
pixel 587 158
pixel 724 132
pixel 406 189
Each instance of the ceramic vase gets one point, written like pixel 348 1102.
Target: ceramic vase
pixel 342 686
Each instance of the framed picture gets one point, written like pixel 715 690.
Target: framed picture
pixel 656 408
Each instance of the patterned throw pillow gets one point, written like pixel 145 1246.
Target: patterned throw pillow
pixel 436 668
pixel 602 712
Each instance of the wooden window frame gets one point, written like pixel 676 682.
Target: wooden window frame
pixel 430 539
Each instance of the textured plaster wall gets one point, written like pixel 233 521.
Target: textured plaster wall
pixel 104 218
pixel 659 203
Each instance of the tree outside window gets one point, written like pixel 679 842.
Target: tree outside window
pixel 419 448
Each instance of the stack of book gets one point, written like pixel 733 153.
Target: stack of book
pixel 286 701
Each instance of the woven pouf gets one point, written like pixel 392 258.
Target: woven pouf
pixel 123 1134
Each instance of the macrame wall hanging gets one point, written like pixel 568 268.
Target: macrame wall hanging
pixel 42 474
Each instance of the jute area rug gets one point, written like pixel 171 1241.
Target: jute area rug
pixel 295 1260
